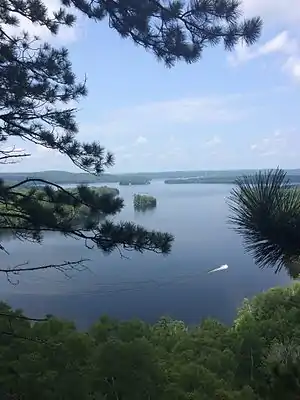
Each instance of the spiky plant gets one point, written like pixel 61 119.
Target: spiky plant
pixel 265 210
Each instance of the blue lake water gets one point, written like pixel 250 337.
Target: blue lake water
pixel 146 285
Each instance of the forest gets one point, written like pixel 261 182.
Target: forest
pixel 254 358
pixel 64 177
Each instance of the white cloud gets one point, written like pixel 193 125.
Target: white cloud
pixel 141 140
pixel 173 153
pixel 276 14
pixel 272 145
pixel 166 115
pixel 292 67
pixel 284 45
pixel 269 153
pixel 189 109
pixel 274 11
pixel 213 142
pixel 65 34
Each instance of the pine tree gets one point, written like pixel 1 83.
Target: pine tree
pixel 37 84
pixel 265 210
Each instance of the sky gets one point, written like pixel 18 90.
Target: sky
pixel 228 111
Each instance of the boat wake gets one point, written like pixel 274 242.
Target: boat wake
pixel 222 268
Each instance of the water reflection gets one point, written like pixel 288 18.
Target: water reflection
pixel 265 211
pixel 144 202
pixel 149 210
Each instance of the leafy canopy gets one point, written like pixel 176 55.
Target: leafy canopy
pixel 255 358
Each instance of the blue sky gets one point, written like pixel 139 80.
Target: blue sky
pixel 229 110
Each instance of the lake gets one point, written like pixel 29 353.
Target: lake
pixel 146 285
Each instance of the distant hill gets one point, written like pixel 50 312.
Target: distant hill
pixel 60 177
pixel 64 177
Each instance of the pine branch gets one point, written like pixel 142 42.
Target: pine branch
pixel 11 156
pixel 265 211
pixel 175 30
pixel 6 159
pixel 28 217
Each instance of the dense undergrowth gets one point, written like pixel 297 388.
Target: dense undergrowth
pixel 255 358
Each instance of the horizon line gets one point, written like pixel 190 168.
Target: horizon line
pixel 149 172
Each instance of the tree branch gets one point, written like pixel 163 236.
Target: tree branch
pixel 67 265
pixel 22 317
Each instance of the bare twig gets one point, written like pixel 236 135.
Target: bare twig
pixel 65 266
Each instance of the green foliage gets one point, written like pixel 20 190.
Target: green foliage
pixel 258 357
pixel 270 329
pixel 142 202
pixel 61 210
pixel 265 210
pixel 89 217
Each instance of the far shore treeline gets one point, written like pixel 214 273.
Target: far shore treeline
pixel 140 178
